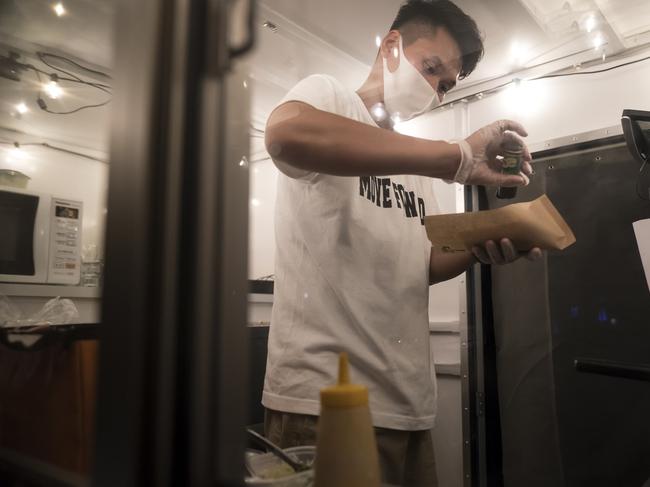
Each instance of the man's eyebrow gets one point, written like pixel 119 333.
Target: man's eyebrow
pixel 434 59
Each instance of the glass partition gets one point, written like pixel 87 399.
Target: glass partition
pixel 56 79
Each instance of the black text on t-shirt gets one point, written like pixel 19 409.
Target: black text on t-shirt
pixel 384 193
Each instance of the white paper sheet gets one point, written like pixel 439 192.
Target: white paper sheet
pixel 642 232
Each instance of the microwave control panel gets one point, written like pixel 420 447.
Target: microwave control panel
pixel 65 242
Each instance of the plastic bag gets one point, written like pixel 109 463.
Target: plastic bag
pixel 56 311
pixel 8 312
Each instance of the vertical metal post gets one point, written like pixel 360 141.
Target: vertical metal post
pixel 471 359
pixel 465 385
pixel 472 376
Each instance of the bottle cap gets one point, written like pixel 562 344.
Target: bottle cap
pixel 344 394
pixel 512 143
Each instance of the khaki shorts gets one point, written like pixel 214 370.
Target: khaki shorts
pixel 406 458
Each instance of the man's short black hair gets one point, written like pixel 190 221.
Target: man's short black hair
pixel 443 13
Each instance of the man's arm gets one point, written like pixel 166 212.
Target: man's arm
pixel 313 140
pixel 317 141
pixel 444 266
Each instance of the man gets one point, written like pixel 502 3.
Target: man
pixel 353 263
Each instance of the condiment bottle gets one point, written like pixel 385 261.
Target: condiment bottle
pixel 346 449
pixel 513 153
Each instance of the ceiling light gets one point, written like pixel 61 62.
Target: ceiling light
pixel 22 108
pixel 598 41
pixel 17 152
pixel 590 23
pixel 378 41
pixel 59 10
pixel 52 88
pixel 519 53
pixel 255 202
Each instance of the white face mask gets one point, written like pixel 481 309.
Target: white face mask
pixel 406 93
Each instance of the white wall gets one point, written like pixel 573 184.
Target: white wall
pixel 558 107
pixel 261 238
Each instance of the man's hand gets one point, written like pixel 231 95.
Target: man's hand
pixel 444 266
pixel 503 252
pixel 479 163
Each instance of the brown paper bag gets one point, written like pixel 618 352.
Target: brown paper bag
pixel 533 224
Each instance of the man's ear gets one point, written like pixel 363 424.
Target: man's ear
pixel 390 45
pixel 390 49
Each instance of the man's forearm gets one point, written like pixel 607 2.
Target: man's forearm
pixel 445 266
pixel 318 141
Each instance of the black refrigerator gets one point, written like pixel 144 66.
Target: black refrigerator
pixel 542 333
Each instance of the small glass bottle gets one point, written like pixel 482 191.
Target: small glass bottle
pixel 513 156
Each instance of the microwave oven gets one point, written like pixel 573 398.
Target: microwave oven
pixel 40 238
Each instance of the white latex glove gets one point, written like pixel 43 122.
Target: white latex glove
pixel 479 163
pixel 502 252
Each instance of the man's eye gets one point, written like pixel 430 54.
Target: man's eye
pixel 431 69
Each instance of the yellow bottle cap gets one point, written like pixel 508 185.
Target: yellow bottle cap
pixel 344 394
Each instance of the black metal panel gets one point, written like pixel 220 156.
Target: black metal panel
pixel 589 301
pixel 600 308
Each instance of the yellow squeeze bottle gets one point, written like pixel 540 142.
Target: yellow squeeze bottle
pixel 346 450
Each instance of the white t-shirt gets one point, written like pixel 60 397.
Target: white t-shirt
pixel 352 274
